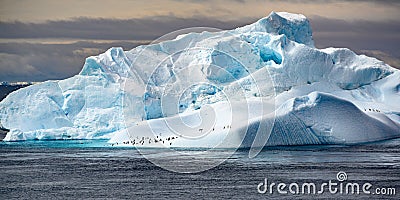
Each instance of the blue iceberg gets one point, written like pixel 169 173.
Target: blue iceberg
pixel 209 86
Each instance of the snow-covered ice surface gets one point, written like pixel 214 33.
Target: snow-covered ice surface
pixel 146 96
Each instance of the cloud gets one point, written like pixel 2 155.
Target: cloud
pixel 147 28
pixel 390 2
pixel 41 61
pixel 58 61
pixel 211 1
pixel 357 35
pixel 19 68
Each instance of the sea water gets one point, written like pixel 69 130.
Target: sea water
pixel 73 169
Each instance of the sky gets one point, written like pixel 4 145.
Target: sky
pixel 47 39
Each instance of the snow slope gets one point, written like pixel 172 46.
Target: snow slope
pixel 261 84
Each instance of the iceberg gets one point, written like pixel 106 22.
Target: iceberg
pixel 263 84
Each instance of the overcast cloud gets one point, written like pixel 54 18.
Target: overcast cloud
pixel 147 28
pixel 50 39
pixel 22 61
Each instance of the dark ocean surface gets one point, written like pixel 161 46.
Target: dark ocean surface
pixel 91 169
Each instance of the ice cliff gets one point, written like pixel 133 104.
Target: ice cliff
pixel 319 96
